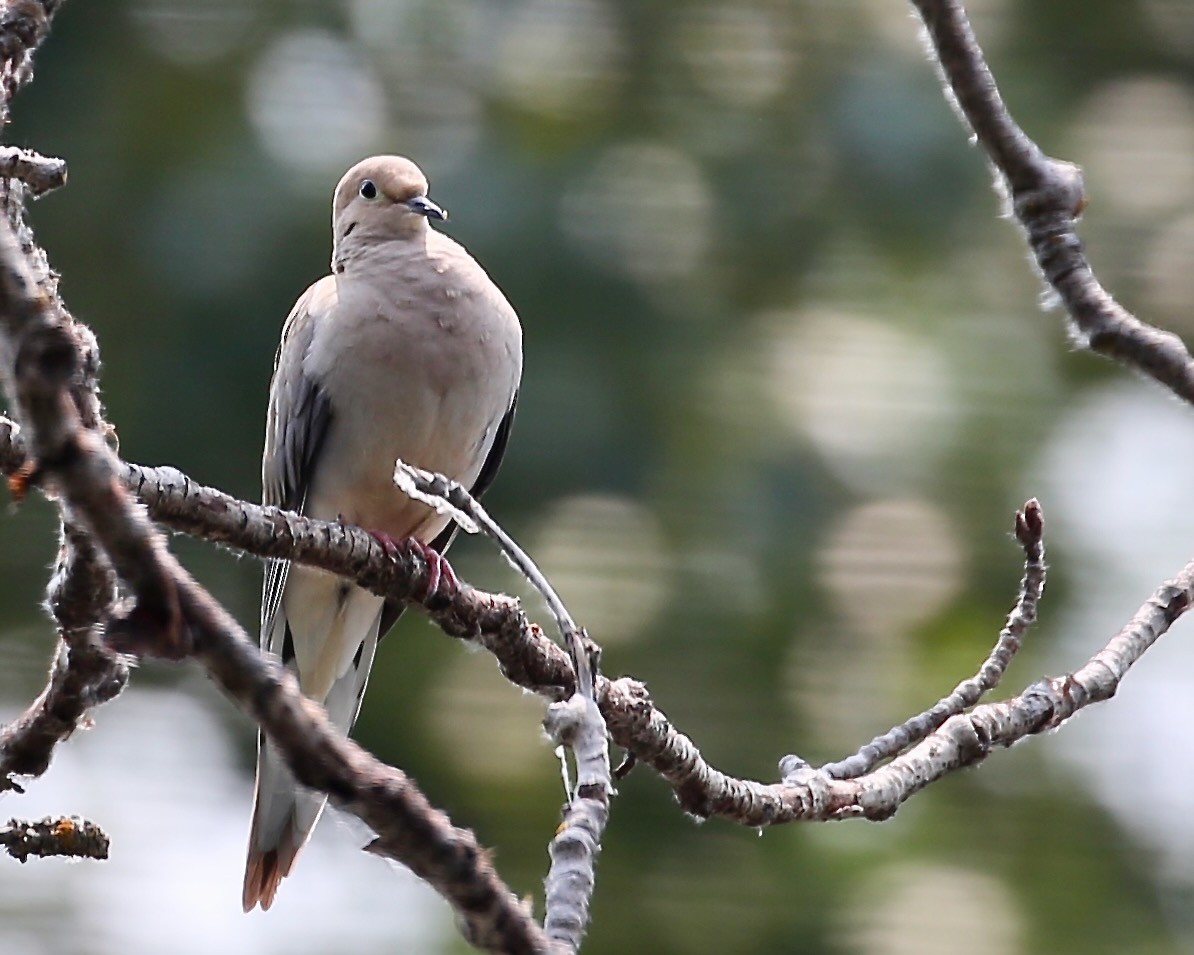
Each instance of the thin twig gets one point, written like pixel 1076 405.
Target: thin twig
pixel 1030 533
pixel 451 497
pixel 575 723
pixel 41 174
pixel 65 836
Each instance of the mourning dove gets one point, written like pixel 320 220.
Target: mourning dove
pixel 408 350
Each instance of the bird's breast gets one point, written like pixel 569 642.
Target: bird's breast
pixel 423 376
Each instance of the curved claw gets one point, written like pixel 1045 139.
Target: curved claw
pixel 440 575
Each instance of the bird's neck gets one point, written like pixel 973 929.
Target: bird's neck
pixel 354 252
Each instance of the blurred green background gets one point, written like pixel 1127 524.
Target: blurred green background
pixel 788 376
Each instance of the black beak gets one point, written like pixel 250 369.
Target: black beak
pixel 425 207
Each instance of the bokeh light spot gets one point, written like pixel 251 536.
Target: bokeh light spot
pixel 558 57
pixel 195 31
pixel 313 104
pixel 1135 140
pixel 643 210
pixel 888 915
pixel 876 401
pixel 738 53
pixel 490 733
pixel 891 565
pixel 606 558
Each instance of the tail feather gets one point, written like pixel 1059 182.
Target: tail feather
pixel 263 874
pixel 265 870
pixel 284 814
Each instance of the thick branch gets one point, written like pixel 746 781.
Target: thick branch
pixel 536 663
pixel 81 592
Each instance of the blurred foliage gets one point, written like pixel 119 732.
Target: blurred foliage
pixel 787 377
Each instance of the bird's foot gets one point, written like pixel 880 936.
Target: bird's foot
pixel 441 578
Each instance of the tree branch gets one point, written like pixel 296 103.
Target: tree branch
pixel 536 663
pixel 575 723
pixel 66 836
pixel 809 794
pixel 50 363
pixel 40 174
pixel 1046 197
pixel 1030 529
pixel 24 24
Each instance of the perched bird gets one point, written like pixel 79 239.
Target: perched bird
pixel 407 350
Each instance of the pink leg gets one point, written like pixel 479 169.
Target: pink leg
pixel 439 571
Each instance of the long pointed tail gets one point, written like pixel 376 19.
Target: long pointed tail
pixel 283 818
pixel 283 813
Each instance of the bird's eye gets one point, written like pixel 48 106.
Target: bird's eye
pixel 368 190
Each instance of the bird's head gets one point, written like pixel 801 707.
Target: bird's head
pixel 383 197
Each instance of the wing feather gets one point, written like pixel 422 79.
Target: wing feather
pixel 296 428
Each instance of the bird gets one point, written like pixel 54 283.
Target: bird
pixel 407 350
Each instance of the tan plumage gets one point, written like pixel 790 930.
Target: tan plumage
pixel 408 350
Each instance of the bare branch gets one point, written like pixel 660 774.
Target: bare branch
pixel 1030 529
pixel 82 589
pixel 536 663
pixel 409 828
pixel 84 674
pixel 41 174
pixel 1047 197
pixel 494 621
pixel 575 723
pixel 24 24
pixel 65 836
pixel 807 793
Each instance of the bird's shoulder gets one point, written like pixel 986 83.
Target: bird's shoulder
pixel 318 300
pixel 299 412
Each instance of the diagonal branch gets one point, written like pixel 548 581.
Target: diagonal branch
pixel 1047 197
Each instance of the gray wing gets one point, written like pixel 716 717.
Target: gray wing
pixel 391 611
pixel 296 427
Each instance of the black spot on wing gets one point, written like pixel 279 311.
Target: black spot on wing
pixel 303 439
